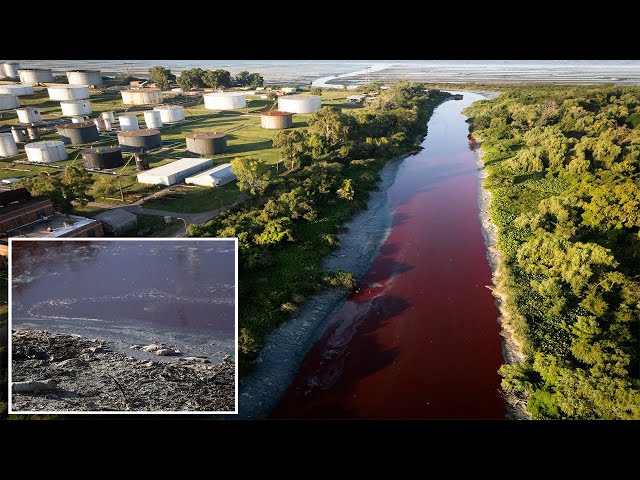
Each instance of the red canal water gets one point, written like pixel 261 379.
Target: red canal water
pixel 420 339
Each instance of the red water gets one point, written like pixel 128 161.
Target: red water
pixel 421 340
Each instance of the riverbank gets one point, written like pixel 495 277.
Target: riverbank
pixel 78 374
pixel 287 346
pixel 511 349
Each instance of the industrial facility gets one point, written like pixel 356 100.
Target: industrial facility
pixel 34 76
pixel 128 122
pixel 8 147
pixel 102 158
pixel 215 177
pixel 141 96
pixel 299 103
pixel 67 92
pixel 276 120
pixel 46 152
pixel 170 113
pixel 204 143
pixel 139 140
pixel 84 77
pixel 71 108
pixel 78 133
pixel 117 221
pixel 174 172
pixel 152 119
pixel 225 100
pixel 29 115
pixel 9 70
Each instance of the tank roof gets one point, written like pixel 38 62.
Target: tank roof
pixel 137 90
pixel 145 132
pixel 77 125
pixel 83 71
pixel 100 150
pixel 204 135
pixel 276 113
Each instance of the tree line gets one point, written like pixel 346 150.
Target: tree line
pixel 199 78
pixel 291 222
pixel 564 171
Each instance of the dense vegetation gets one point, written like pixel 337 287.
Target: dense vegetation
pixel 291 221
pixel 564 171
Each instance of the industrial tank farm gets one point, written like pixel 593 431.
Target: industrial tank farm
pixel 9 70
pixel 29 115
pixel 139 140
pixel 72 108
pixel 128 122
pixel 8 101
pixel 142 96
pixel 206 143
pixel 170 113
pixel 152 119
pixel 67 92
pixel 299 103
pixel 8 147
pixel 84 77
pixel 102 157
pixel 225 101
pixel 17 90
pixel 276 120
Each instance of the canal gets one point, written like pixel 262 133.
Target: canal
pixel 420 337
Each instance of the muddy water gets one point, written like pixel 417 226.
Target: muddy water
pixel 420 337
pixel 131 292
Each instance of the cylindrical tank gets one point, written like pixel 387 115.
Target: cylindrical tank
pixel 72 108
pixel 99 123
pixel 8 101
pixel 29 115
pixel 33 76
pixel 206 143
pixel 9 70
pixel 79 119
pixel 33 133
pixel 17 90
pixel 8 147
pixel 46 152
pixel 128 122
pixel 139 140
pixel 152 119
pixel 109 116
pixel 225 100
pixel 289 90
pixel 18 134
pixel 276 120
pixel 141 96
pixel 102 157
pixel 67 92
pixel 107 125
pixel 142 161
pixel 78 133
pixel 299 103
pixel 171 113
pixel 84 77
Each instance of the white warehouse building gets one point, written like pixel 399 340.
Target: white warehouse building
pixel 174 172
pixel 215 177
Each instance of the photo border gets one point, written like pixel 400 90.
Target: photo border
pixel 10 410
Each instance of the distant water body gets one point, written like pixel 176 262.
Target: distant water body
pixel 354 72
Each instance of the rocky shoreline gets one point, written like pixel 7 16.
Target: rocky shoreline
pixel 287 346
pixel 54 372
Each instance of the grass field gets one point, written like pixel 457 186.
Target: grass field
pixel 245 138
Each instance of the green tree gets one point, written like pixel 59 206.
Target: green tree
pixel 255 80
pixel 316 91
pixel 253 174
pixel 346 191
pixel 331 123
pixel 292 145
pixel 217 79
pixel 106 186
pixel 73 184
pixel 77 182
pixel 160 76
pixel 241 79
pixel 191 78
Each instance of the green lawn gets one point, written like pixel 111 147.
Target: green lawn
pixel 195 199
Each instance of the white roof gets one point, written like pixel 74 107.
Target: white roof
pixel 176 166
pixel 222 171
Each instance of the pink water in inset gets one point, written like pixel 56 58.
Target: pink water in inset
pixel 420 339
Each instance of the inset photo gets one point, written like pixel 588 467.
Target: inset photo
pixel 123 326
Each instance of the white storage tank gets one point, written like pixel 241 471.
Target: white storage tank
pixel 128 122
pixel 9 70
pixel 73 108
pixel 299 103
pixel 79 119
pixel 225 100
pixel 67 92
pixel 8 101
pixel 33 76
pixel 84 77
pixel 46 152
pixel 17 90
pixel 170 113
pixel 289 90
pixel 152 119
pixel 141 96
pixel 29 115
pixel 109 116
pixel 8 147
